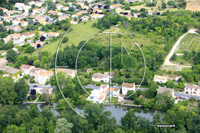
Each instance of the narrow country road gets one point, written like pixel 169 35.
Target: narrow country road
pixel 167 62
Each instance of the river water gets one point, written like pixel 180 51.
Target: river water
pixel 117 111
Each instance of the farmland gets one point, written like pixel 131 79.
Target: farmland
pixel 190 42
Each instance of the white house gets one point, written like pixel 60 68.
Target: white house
pixel 44 76
pixel 24 23
pixel 3 61
pixel 59 6
pixel 98 77
pixel 161 79
pixel 126 87
pixel 45 90
pixel 26 69
pixel 112 92
pixel 28 34
pixel 16 22
pixel 192 89
pixel 8 19
pixel 39 10
pixel 69 72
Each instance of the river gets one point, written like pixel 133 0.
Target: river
pixel 117 111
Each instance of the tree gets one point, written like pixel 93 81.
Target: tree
pixel 8 94
pixel 29 49
pixel 36 63
pixel 65 39
pixel 174 56
pixel 170 84
pixel 129 121
pixel 1 12
pixel 33 111
pixel 14 129
pixel 63 126
pixel 37 35
pixel 171 3
pixel 152 91
pixel 21 88
pixel 11 55
pixel 44 59
pixel 164 5
pixel 164 101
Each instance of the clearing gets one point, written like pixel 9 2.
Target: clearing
pixel 76 34
pixel 193 5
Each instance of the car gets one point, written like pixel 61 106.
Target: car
pixel 35 85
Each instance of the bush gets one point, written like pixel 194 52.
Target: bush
pixel 65 39
pixel 31 97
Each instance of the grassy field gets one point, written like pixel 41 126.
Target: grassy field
pixel 77 33
pixel 190 42
pixel 155 8
pixel 128 38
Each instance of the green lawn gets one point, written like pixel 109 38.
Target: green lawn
pixel 77 33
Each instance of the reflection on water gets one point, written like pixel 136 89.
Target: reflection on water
pixel 117 111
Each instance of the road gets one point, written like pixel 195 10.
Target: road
pixel 182 94
pixel 118 87
pixel 167 60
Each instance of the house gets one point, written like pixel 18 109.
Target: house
pixel 137 15
pixel 4 9
pixel 29 34
pixel 96 16
pixel 44 76
pixel 39 10
pixel 163 89
pixel 51 12
pixel 14 36
pixel 192 89
pixel 126 87
pixel 21 16
pixel 84 7
pixel 8 19
pixel 112 92
pixel 15 28
pixel 3 61
pixel 118 10
pixel 85 18
pixel 38 4
pixel 65 8
pixel 73 22
pixel 98 96
pixel 24 23
pixel 98 77
pixel 10 70
pixel 34 72
pixel 26 69
pixel 115 5
pixel 120 98
pixel 37 44
pixel 53 34
pixel 16 22
pixel 60 18
pixel 69 72
pixel 160 79
pixel 10 12
pixel 153 12
pixel 59 6
pixel 127 14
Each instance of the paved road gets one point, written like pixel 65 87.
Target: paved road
pixel 118 87
pixel 167 62
pixel 178 94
